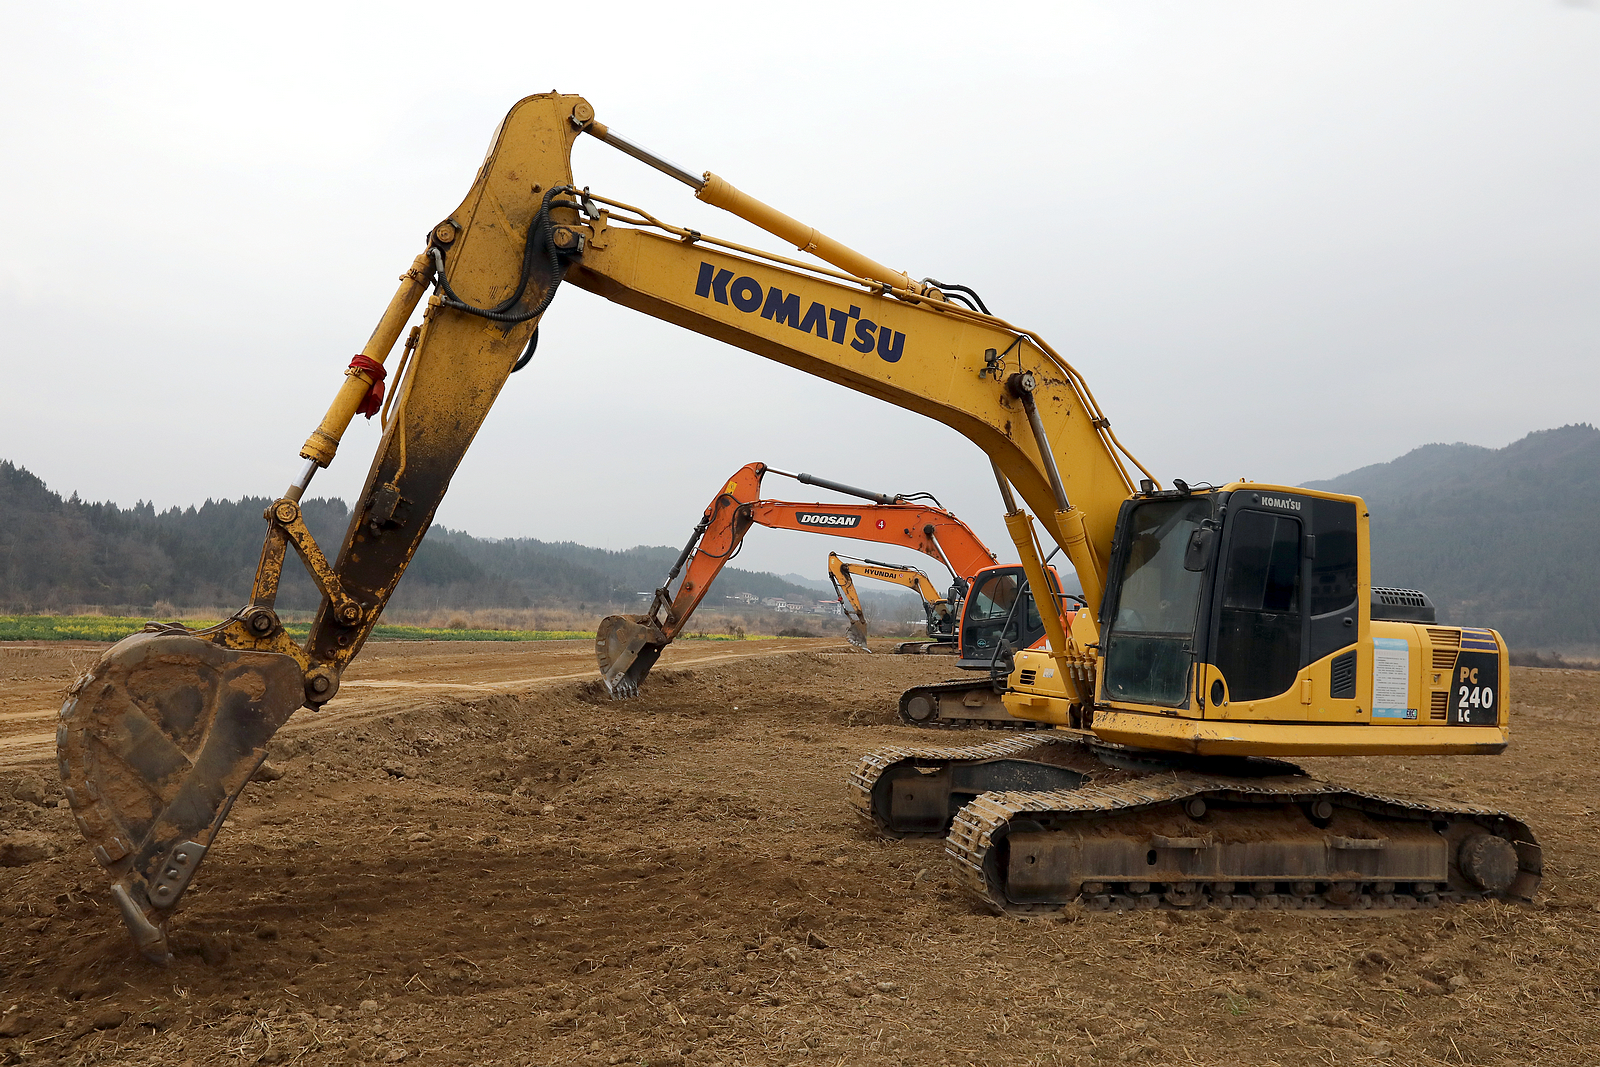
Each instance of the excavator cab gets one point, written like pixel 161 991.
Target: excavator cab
pixel 1000 615
pixel 1254 605
pixel 1243 588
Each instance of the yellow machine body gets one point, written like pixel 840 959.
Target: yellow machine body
pixel 1396 686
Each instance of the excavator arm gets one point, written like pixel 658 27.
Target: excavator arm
pixel 160 737
pixel 627 646
pixel 849 601
pixel 842 572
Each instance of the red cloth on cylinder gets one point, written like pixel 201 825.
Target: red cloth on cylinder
pixel 373 401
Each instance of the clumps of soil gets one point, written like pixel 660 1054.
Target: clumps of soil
pixel 32 827
pixel 678 880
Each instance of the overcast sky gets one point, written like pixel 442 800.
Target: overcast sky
pixel 1281 240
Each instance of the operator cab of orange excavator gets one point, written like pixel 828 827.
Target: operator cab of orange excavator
pixel 1001 617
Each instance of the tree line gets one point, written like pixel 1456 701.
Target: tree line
pixel 65 554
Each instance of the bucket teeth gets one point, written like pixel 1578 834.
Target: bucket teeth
pixel 626 647
pixel 150 938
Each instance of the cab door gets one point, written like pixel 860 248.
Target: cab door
pixel 1000 609
pixel 1285 597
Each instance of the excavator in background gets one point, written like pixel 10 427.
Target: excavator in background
pixel 627 646
pixel 942 610
pixel 999 619
pixel 1227 628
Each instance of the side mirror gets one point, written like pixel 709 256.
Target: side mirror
pixel 1198 550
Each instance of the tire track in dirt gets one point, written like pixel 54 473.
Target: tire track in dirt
pixel 27 738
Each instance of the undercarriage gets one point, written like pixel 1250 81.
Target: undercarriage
pixel 1037 822
pixel 961 703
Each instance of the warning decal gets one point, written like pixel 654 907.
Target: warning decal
pixel 1391 679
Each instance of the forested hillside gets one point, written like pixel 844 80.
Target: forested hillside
pixel 1507 537
pixel 1498 537
pixel 58 555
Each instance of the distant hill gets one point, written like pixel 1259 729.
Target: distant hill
pixel 58 554
pixel 562 571
pixel 1506 537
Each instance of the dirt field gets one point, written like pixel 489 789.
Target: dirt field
pixel 545 877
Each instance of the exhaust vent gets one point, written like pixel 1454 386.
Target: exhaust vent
pixel 1401 605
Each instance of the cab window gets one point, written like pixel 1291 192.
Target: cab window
pixel 1150 645
pixel 1258 631
pixel 992 614
pixel 1334 573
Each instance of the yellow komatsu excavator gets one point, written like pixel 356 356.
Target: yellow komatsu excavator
pixel 1230 624
pixel 941 613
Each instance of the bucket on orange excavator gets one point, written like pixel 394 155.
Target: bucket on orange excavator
pixel 627 646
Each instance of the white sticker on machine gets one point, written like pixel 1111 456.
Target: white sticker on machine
pixel 1391 679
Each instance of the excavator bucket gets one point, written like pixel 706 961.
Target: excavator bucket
pixel 155 744
pixel 857 635
pixel 627 646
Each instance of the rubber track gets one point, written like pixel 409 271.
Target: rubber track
pixel 956 686
pixel 970 837
pixel 873 764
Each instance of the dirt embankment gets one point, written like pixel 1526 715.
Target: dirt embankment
pixel 543 876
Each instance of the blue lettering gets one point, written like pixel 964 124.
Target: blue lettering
pixel 841 320
pixel 746 294
pixel 816 320
pixel 782 309
pixel 863 341
pixel 891 349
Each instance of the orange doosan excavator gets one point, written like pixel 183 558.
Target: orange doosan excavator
pixel 627 646
pixel 992 601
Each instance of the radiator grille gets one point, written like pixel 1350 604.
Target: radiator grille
pixel 1026 677
pixel 1441 707
pixel 1445 645
pixel 1343 683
